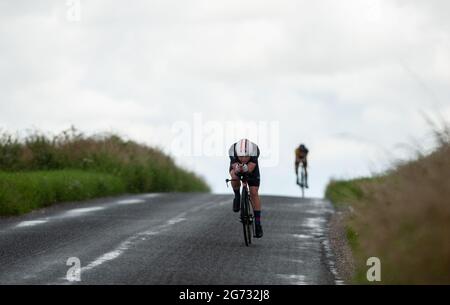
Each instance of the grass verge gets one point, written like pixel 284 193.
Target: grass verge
pixel 26 191
pixel 403 218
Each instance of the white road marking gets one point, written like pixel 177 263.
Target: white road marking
pixel 175 220
pixel 299 261
pixel 214 205
pixel 316 225
pixel 293 279
pixel 30 223
pixel 82 211
pixel 319 228
pixel 150 232
pixel 302 236
pixel 125 245
pixel 109 256
pixel 77 212
pixel 152 195
pixel 330 262
pixel 130 201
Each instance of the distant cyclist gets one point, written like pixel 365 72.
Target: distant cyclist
pixel 244 160
pixel 301 154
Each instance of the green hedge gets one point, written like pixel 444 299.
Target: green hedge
pixel 41 170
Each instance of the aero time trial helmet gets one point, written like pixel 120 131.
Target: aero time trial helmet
pixel 245 148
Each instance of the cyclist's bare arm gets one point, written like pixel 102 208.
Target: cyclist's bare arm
pixel 251 166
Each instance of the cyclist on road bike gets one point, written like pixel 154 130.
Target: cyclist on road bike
pixel 301 154
pixel 244 156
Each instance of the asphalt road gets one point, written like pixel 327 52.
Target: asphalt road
pixel 168 239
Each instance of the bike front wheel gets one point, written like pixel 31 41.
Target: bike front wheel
pixel 245 217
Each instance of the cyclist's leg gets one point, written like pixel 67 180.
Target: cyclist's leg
pixel 253 183
pixel 305 164
pixel 301 181
pixel 297 163
pixel 236 185
pixel 256 202
pixel 254 197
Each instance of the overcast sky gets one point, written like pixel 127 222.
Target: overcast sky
pixel 351 79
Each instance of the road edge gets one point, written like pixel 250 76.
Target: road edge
pixel 345 263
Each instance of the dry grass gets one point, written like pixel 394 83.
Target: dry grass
pixel 404 219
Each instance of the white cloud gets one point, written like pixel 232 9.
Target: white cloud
pixel 365 69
